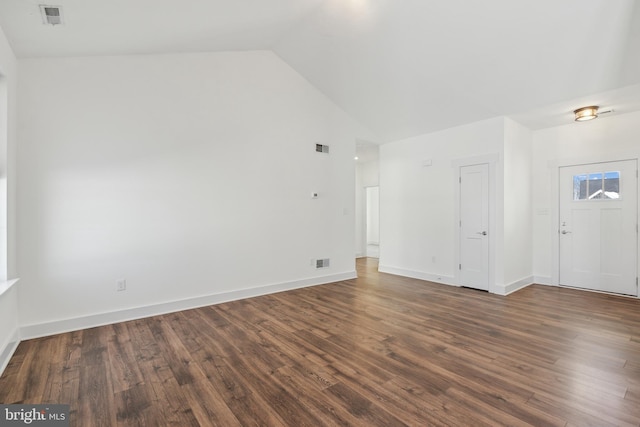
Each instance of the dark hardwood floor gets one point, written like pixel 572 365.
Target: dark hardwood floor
pixel 381 350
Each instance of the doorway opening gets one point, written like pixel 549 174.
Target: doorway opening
pixel 367 208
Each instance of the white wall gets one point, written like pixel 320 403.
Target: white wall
pixel 417 202
pixel 615 137
pixel 367 175
pixel 517 205
pixel 188 175
pixel 9 333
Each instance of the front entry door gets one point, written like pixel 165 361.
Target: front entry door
pixel 597 230
pixel 474 226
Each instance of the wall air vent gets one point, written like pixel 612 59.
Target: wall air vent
pixel 51 15
pixel 322 148
pixel 322 263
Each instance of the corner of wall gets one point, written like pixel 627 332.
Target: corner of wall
pixel 10 337
pixel 512 287
pixel 9 348
pixel 9 332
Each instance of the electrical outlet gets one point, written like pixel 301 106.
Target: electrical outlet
pixel 121 285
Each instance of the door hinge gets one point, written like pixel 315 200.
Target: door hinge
pixel 459 180
pixel 459 266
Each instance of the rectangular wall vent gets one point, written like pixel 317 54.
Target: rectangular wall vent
pixel 51 15
pixel 322 148
pixel 322 263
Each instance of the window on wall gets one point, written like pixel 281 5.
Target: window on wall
pixel 597 186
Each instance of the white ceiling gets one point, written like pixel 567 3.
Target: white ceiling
pixel 367 152
pixel 400 67
pixel 114 27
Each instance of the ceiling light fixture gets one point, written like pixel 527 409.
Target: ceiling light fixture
pixel 586 113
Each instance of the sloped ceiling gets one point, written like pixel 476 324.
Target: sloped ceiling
pixel 400 67
pixel 413 66
pixel 116 27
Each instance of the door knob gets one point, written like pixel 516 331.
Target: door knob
pixel 565 232
pixel 484 233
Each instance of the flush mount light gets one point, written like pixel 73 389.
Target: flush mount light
pixel 586 113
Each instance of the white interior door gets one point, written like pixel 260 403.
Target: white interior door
pixel 474 226
pixel 597 230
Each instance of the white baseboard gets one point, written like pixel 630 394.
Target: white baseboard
pixel 436 278
pixel 451 281
pixel 9 349
pixel 514 286
pixel 78 323
pixel 543 280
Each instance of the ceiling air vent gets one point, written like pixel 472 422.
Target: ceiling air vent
pixel 322 148
pixel 51 15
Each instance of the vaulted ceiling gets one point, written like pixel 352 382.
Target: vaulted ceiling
pixel 400 67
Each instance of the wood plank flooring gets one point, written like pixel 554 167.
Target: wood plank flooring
pixel 381 350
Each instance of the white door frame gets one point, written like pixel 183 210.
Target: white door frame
pixel 554 172
pixel 491 160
